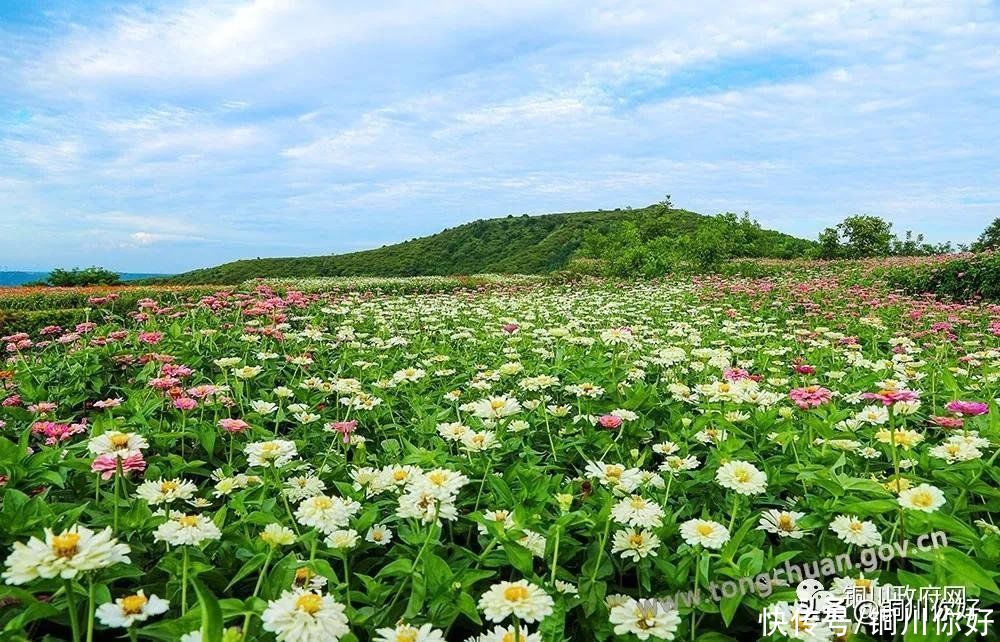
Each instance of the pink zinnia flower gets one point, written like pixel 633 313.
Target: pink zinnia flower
pixel 611 422
pixel 948 422
pixel 510 328
pixel 152 338
pixel 200 392
pixel 185 403
pixel 967 408
pixel 890 397
pixel 233 425
pixel 810 396
pixel 344 427
pixel 106 465
pixel 11 401
pixel 42 407
pixel 108 403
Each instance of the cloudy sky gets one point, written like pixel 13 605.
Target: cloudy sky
pixel 162 136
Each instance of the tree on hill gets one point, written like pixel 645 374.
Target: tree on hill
pixel 87 276
pixel 990 238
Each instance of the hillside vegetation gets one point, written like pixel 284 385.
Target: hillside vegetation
pixel 514 244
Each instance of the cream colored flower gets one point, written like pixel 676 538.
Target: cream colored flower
pixel 126 611
pixel 187 530
pixel 305 616
pixel 64 555
pixel 924 498
pixel 525 601
pixel 705 533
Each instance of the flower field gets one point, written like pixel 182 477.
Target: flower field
pixel 533 462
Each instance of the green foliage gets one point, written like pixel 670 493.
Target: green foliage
pixel 960 278
pixel 865 236
pixel 990 238
pixel 519 245
pixel 80 277
pixel 666 240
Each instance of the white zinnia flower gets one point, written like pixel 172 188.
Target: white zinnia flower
pixel 326 513
pixel 120 444
pixel 924 498
pixel 783 523
pixel 187 530
pixel 635 544
pixel 305 616
pixel 379 534
pixel 165 491
pixel 523 600
pixel 126 611
pixel 741 476
pixel 705 533
pixel 637 511
pixel 64 555
pixel 276 452
pixel 405 633
pixel 644 619
pixel 853 531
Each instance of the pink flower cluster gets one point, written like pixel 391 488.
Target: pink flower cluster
pixel 967 408
pixel 810 396
pixel 106 465
pixel 56 432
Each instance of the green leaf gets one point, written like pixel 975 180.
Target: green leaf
pixel 211 613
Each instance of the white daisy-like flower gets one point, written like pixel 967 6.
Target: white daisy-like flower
pixel 506 634
pixel 277 535
pixel 501 516
pixel 126 611
pixel 302 487
pixel 783 523
pixel 342 539
pixel 636 510
pixel 644 619
pixel 187 530
pixel 854 531
pixel 495 407
pixel 742 477
pixel 522 599
pixel 440 482
pixel 165 491
pixel 276 452
pixel 326 513
pixel 118 444
pixel 614 476
pixel 924 498
pixel 64 555
pixel 305 616
pixel 403 632
pixel 379 534
pixel 705 533
pixel 675 464
pixel 635 544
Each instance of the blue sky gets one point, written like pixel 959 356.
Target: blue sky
pixel 162 136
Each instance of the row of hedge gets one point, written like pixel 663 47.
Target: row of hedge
pixel 45 298
pixel 961 277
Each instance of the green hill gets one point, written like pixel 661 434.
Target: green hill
pixel 514 244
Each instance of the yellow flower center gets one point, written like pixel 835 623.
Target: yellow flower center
pixel 638 502
pixel 705 529
pixel 636 540
pixel 377 536
pixel 437 477
pixel 723 387
pixel 515 593
pixel 133 604
pixel 856 526
pixel 119 441
pixel 862 582
pixel 786 523
pixel 409 634
pixel 922 498
pixel 168 486
pixel 188 521
pixel 742 475
pixel 322 503
pixel 309 603
pixel 614 472
pixel 65 545
pixel 399 475
pixel 302 576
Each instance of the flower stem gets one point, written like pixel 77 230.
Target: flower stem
pixel 74 617
pixel 90 609
pixel 184 581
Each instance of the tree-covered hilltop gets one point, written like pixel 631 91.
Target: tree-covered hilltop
pixel 513 244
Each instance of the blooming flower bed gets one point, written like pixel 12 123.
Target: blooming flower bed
pixel 530 463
